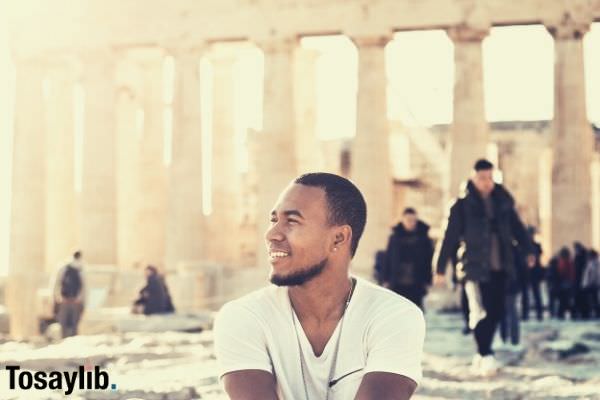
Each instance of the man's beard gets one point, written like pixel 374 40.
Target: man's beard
pixel 299 277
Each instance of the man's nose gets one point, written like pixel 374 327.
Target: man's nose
pixel 273 233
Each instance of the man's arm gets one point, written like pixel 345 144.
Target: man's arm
pixel 244 364
pixel 250 384
pixel 385 385
pixel 81 297
pixel 387 265
pixel 520 234
pixel 428 261
pixel 452 236
pixel 56 285
pixel 394 354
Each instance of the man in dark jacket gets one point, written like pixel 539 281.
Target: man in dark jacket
pixel 409 252
pixel 482 227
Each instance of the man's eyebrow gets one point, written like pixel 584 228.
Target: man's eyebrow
pixel 297 213
pixel 288 213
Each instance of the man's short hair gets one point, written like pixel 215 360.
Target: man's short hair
pixel 483 165
pixel 77 255
pixel 345 202
pixel 409 211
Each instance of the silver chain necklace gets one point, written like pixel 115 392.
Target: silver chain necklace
pixel 337 345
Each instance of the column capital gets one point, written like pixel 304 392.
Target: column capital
pixel 146 57
pixel 380 40
pixel 95 64
pixel 187 52
pixel 277 44
pixel 467 33
pixel 31 63
pixel 223 52
pixel 569 27
pixel 90 56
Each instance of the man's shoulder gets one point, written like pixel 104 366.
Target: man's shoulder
pixel 388 313
pixel 384 300
pixel 458 204
pixel 259 302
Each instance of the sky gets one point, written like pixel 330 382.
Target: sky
pixel 518 85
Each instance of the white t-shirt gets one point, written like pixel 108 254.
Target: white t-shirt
pixel 382 331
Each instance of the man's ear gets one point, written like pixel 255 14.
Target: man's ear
pixel 342 237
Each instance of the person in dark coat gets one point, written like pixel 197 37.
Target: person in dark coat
pixel 534 277
pixel 380 266
pixel 510 331
pixel 482 227
pixel 591 282
pixel 553 286
pixel 409 253
pixel 566 277
pixel 154 298
pixel 581 308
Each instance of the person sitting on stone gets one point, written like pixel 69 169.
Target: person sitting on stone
pixel 154 298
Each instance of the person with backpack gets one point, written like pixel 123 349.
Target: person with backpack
pixel 69 295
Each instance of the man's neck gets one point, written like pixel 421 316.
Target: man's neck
pixel 484 196
pixel 322 299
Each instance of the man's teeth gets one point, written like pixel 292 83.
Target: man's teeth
pixel 278 254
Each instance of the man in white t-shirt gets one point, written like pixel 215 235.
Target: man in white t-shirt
pixel 318 333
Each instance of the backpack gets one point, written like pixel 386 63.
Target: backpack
pixel 71 283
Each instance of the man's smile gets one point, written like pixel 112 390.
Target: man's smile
pixel 277 255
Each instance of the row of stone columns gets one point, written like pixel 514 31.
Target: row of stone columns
pixel 131 206
pixel 572 138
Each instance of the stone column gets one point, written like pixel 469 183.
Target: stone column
pixel 308 147
pixel 185 219
pixel 572 139
pixel 152 170
pixel 128 128
pixel 27 223
pixel 61 218
pixel 98 196
pixel 274 154
pixel 226 184
pixel 469 131
pixel 370 159
pixel 596 202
